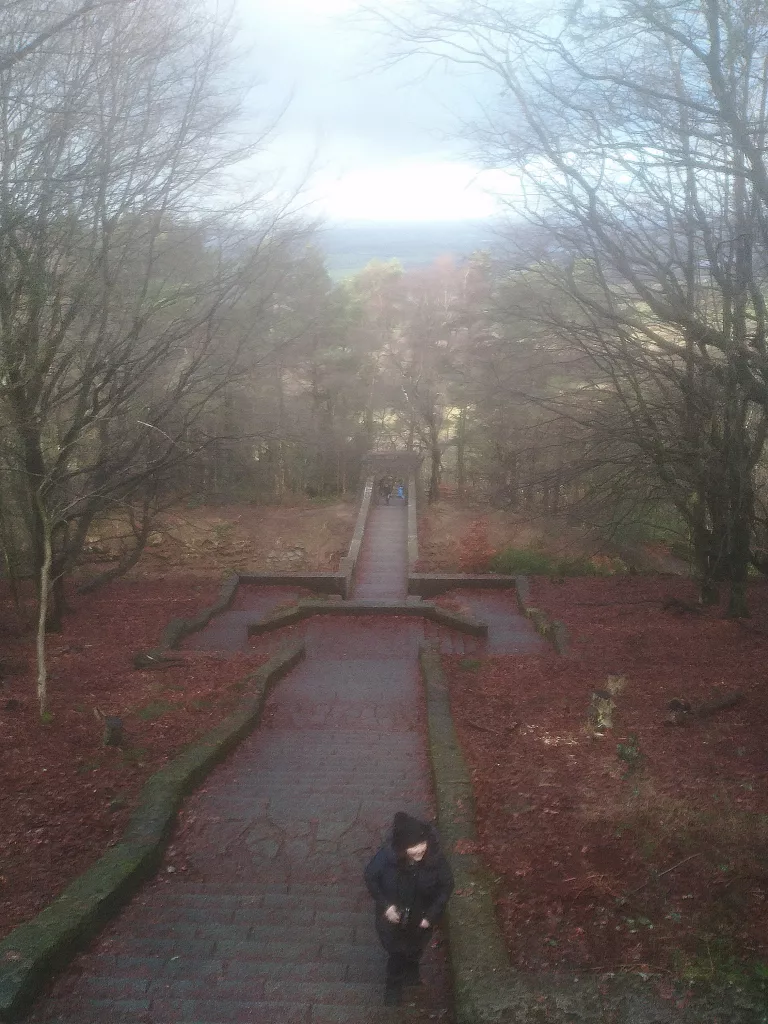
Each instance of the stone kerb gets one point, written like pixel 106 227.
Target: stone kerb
pixel 177 629
pixel 348 563
pixel 485 987
pixel 33 951
pixel 411 607
pixel 431 584
pixel 319 582
pixel 550 629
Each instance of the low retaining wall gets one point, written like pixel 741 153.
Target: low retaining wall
pixel 431 584
pixel 177 629
pixel 550 629
pixel 34 950
pixel 412 607
pixel 319 582
pixel 348 564
pixel 483 983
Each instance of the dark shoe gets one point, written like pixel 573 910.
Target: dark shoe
pixel 393 993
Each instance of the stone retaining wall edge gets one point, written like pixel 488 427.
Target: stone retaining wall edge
pixel 304 609
pixel 177 629
pixel 485 988
pixel 431 584
pixel 348 563
pixel 550 629
pixel 320 582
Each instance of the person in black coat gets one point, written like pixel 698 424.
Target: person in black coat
pixel 410 882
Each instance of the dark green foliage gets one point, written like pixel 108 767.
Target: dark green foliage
pixel 530 562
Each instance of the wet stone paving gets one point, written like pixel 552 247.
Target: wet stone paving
pixel 259 913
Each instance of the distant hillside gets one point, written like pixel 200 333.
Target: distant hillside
pixel 348 249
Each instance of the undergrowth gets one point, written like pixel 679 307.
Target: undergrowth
pixel 532 562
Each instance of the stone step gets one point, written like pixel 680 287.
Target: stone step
pixel 249 1011
pixel 267 910
pixel 155 971
pixel 260 986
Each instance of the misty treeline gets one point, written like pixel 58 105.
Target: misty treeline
pixel 145 274
pixel 168 332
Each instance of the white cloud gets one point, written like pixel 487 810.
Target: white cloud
pixel 407 191
pixel 382 144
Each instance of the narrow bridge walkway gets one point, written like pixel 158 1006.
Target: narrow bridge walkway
pixel 259 914
pixel 382 571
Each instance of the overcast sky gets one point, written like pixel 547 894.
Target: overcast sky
pixel 378 145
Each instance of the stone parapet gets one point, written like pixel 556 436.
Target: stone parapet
pixel 414 608
pixel 348 563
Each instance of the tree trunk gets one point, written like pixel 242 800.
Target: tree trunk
pixel 530 483
pixel 461 445
pixel 434 475
pixel 280 475
pixel 742 517
pixel 127 561
pixel 42 616
pixel 512 481
pixel 57 601
pixel 411 434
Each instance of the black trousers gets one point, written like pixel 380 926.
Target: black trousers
pixel 404 946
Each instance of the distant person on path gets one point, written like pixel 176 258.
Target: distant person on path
pixel 410 882
pixel 385 488
pixel 400 491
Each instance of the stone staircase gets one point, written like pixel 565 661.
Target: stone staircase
pixel 259 913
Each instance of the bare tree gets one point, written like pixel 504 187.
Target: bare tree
pixel 638 134
pixel 38 30
pixel 128 295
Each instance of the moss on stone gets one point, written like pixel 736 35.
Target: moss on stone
pixel 453 620
pixel 278 619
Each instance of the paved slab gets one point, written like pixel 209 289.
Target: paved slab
pixel 229 631
pixel 508 631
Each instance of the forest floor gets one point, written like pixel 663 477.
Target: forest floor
pixel 451 534
pixel 64 796
pixel 642 849
pixel 305 537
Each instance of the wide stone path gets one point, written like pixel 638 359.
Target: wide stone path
pixel 260 914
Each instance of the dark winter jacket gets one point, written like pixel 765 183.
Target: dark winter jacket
pixel 424 887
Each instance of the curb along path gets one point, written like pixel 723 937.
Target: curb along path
pixel 260 914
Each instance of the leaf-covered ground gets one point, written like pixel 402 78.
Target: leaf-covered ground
pixel 643 849
pixel 64 796
pixel 309 536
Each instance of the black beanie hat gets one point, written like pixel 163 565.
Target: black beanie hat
pixel 407 831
